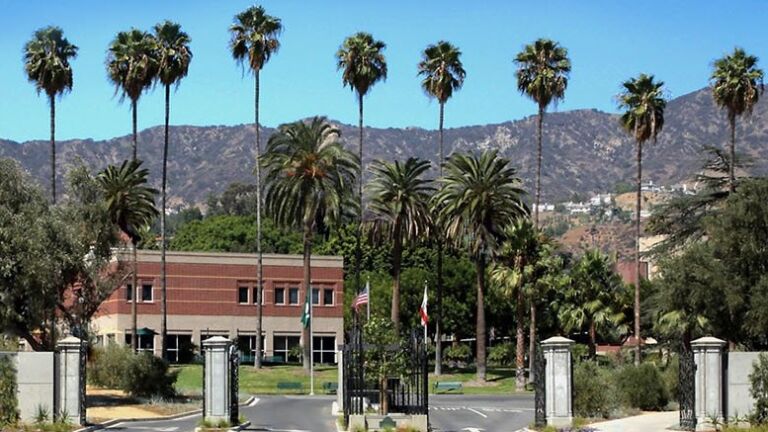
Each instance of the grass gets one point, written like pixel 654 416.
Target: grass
pixel 500 380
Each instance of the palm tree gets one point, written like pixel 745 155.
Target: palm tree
pixel 479 197
pixel 46 62
pixel 307 183
pixel 736 83
pixel 362 62
pixel 644 103
pixel 443 74
pixel 542 75
pixel 595 298
pixel 253 42
pixel 131 206
pixel 132 66
pixel 399 204
pixel 173 56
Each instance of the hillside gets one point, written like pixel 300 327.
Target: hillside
pixel 584 150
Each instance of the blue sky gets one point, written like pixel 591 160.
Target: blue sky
pixel 608 41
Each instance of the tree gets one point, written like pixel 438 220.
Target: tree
pixel 595 299
pixel 542 75
pixel 381 360
pixel 308 178
pixel 253 42
pixel 443 74
pixel 46 62
pixel 736 83
pixel 361 60
pixel 643 118
pixel 132 66
pixel 233 233
pixel 131 206
pixel 480 196
pixel 399 204
pixel 173 58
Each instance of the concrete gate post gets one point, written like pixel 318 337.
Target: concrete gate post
pixel 340 384
pixel 70 397
pixel 217 377
pixel 708 357
pixel 558 372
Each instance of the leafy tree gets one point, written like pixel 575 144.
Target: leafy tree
pixel 253 42
pixel 443 74
pixel 480 196
pixel 736 83
pixel 132 66
pixel 227 233
pixel 542 75
pixel 173 58
pixel 46 62
pixel 131 206
pixel 238 199
pixel 381 361
pixel 307 185
pixel 361 60
pixel 643 118
pixel 399 204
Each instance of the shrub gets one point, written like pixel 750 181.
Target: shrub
pixel 671 377
pixel 108 366
pixel 642 387
pixel 459 353
pixel 148 376
pixel 8 404
pixel 593 390
pixel 758 381
pixel 502 354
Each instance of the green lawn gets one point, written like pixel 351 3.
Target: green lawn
pixel 264 381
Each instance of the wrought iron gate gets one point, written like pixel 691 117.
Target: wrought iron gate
pixel 687 396
pixel 540 387
pixel 81 384
pixel 234 385
pixel 353 384
pixel 411 392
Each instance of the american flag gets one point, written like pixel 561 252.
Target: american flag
pixel 362 298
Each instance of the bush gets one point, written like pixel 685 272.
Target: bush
pixel 671 377
pixel 459 353
pixel 593 390
pixel 758 381
pixel 142 375
pixel 502 354
pixel 108 366
pixel 642 387
pixel 8 404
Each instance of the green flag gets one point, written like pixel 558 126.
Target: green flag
pixel 305 317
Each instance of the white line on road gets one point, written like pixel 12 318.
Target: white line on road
pixel 187 417
pixel 477 412
pixel 254 402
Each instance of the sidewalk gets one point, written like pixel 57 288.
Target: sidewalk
pixel 647 422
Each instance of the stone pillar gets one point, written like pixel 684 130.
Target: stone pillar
pixel 340 385
pixel 558 373
pixel 708 356
pixel 217 394
pixel 70 377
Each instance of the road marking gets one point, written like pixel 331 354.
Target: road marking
pixel 187 417
pixel 477 412
pixel 472 429
pixel 254 402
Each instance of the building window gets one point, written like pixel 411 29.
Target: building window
pixel 146 342
pixel 315 296
pixel 146 292
pixel 282 346
pixel 255 298
pixel 324 349
pixel 180 348
pixel 129 292
pixel 279 296
pixel 242 295
pixel 247 347
pixel 328 297
pixel 293 295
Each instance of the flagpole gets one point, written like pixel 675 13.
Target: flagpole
pixel 311 345
pixel 368 303
pixel 425 322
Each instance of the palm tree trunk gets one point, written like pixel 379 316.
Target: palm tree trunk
pixel 520 340
pixel 397 253
pixel 52 99
pixel 163 245
pixel 532 342
pixel 307 332
pixel 135 134
pixel 358 249
pixel 260 270
pixel 135 282
pixel 732 182
pixel 480 328
pixel 638 209
pixel 439 236
pixel 592 340
pixel 538 166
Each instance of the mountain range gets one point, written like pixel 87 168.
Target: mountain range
pixel 585 151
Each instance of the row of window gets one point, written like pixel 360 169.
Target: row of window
pixel 246 295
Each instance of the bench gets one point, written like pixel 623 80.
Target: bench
pixel 330 387
pixel 290 385
pixel 447 386
pixel 273 359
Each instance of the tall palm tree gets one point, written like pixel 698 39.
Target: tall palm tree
pixel 253 42
pixel 443 74
pixel 643 118
pixel 361 60
pixel 399 197
pixel 736 83
pixel 480 196
pixel 131 206
pixel 173 56
pixel 308 178
pixel 542 75
pixel 595 299
pixel 46 62
pixel 132 67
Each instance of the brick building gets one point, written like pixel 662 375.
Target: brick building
pixel 214 294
